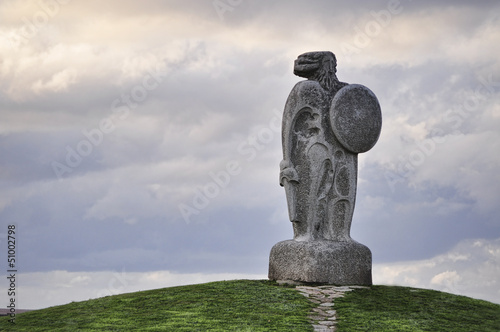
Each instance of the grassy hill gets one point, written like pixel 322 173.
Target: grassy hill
pixel 393 308
pixel 261 305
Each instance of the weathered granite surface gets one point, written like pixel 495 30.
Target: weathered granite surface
pixel 329 262
pixel 326 123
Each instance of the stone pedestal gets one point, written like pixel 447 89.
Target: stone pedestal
pixel 329 262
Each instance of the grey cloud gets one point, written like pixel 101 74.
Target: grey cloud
pixel 225 81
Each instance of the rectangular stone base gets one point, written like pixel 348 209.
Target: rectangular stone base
pixel 329 262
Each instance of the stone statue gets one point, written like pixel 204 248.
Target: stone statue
pixel 326 123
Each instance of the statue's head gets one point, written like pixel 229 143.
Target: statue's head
pixel 310 63
pixel 317 66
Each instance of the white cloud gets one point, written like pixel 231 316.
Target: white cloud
pixel 46 289
pixel 59 81
pixel 471 268
pixel 445 278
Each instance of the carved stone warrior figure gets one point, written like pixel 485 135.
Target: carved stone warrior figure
pixel 326 123
pixel 318 173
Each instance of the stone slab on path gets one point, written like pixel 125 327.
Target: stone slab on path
pixel 324 316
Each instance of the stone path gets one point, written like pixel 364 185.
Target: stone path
pixel 324 317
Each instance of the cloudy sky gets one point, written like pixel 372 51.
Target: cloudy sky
pixel 140 145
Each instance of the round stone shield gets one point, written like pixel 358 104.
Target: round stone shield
pixel 356 118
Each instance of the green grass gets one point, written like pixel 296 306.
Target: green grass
pixel 240 305
pixel 392 308
pixel 261 305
